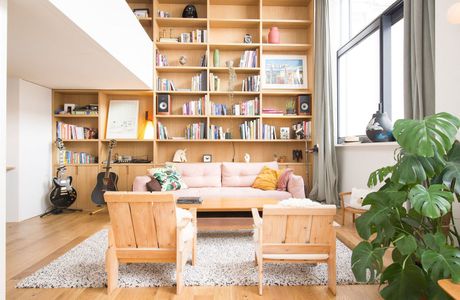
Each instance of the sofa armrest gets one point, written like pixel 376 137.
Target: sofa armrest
pixel 139 184
pixel 296 186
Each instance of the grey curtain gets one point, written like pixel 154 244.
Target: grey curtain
pixel 325 162
pixel 419 58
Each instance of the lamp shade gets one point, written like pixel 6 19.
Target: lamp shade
pixel 453 14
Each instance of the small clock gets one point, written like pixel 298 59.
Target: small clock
pixel 247 38
pixel 207 158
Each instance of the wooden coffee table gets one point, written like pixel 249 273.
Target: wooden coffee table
pixel 227 204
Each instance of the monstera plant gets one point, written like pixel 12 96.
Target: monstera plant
pixel 410 215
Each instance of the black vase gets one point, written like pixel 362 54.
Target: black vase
pixel 190 12
pixel 380 128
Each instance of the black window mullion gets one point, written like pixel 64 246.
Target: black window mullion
pixel 385 64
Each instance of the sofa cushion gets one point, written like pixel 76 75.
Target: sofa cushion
pixel 282 183
pixel 199 174
pixel 232 192
pixel 243 174
pixel 168 177
pixel 267 179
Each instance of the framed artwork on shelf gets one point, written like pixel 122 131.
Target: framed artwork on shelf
pixel 123 118
pixel 141 13
pixel 284 72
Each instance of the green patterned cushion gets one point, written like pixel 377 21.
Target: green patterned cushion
pixel 168 177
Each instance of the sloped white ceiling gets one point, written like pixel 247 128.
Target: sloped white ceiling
pixel 59 44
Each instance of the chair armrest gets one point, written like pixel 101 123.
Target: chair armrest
pixel 256 217
pixel 342 196
pixel 296 186
pixel 139 184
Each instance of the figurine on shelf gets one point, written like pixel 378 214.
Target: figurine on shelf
pixel 247 158
pixel 180 156
pixel 183 60
pixel 297 155
pixel 190 12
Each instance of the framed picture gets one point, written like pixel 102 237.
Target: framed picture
pixel 207 158
pixel 285 133
pixel 123 118
pixel 284 72
pixel 141 12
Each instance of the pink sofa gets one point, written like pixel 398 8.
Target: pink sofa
pixel 226 180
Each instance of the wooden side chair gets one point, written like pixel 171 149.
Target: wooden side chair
pixel 296 234
pixel 345 204
pixel 144 228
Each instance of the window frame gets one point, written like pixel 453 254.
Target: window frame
pixel 393 14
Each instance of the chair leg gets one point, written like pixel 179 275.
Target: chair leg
pixel 354 217
pixel 194 248
pixel 111 265
pixel 331 266
pixel 261 275
pixel 255 258
pixel 179 274
pixel 343 216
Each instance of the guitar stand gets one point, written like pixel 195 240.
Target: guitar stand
pixel 99 209
pixel 57 211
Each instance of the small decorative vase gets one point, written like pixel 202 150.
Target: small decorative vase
pixel 216 58
pixel 379 128
pixel 274 36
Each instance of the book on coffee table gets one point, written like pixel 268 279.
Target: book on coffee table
pixel 189 200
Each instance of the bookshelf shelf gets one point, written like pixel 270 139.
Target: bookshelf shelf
pixel 129 140
pixel 231 141
pixel 185 93
pixel 180 117
pixel 75 116
pixel 182 22
pixel 234 23
pixel 234 117
pixel 182 1
pixel 286 47
pixel 286 93
pixel 292 24
pixel 286 117
pixel 180 46
pixel 234 46
pixel 287 2
pixel 238 93
pixel 180 69
pixel 81 141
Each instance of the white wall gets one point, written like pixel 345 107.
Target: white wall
pixel 29 149
pixel 3 68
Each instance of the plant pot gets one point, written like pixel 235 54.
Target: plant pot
pixel 274 36
pixel 216 58
pixel 380 128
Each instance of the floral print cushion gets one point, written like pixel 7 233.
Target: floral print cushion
pixel 169 178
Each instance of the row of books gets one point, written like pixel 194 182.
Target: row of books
pixel 216 133
pixel 217 109
pixel 246 108
pixel 160 59
pixel 196 36
pixel 162 131
pixel 272 111
pixel 195 131
pixel 199 81
pixel 250 130
pixel 214 82
pixel 302 130
pixel 195 108
pixel 79 158
pixel 249 59
pixel 251 84
pixel 72 132
pixel 165 85
pixel 268 132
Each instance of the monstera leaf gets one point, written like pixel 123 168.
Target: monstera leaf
pixel 444 263
pixel 366 261
pixel 406 281
pixel 452 170
pixel 384 208
pixel 413 169
pixel 435 133
pixel 433 202
pixel 406 244
pixel 379 175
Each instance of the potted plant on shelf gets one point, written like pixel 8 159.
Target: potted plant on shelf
pixel 290 107
pixel 411 213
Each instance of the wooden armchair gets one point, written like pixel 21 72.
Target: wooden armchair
pixel 143 228
pixel 294 234
pixel 352 210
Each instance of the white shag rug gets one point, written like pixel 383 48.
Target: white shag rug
pixel 224 258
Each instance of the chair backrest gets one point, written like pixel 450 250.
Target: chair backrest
pixel 311 226
pixel 142 220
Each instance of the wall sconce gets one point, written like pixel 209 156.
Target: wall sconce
pixel 453 14
pixel 148 129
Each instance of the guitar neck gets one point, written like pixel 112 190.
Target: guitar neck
pixel 107 167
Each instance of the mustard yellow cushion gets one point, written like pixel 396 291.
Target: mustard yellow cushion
pixel 267 179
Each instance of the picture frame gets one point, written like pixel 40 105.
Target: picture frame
pixel 123 119
pixel 207 158
pixel 141 13
pixel 285 133
pixel 292 76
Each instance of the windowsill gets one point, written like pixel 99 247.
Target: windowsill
pixel 352 145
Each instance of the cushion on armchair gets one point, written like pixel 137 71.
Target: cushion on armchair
pixel 356 198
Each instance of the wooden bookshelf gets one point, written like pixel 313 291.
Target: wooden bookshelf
pixel 226 22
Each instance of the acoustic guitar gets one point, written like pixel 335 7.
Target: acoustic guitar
pixel 106 181
pixel 62 194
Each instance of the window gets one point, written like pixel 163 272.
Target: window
pixel 370 66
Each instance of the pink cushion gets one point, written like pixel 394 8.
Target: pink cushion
pixel 232 192
pixel 243 174
pixel 200 174
pixel 283 180
pixel 296 186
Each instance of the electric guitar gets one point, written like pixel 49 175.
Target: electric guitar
pixel 106 181
pixel 63 194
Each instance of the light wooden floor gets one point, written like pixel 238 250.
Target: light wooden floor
pixel 34 243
